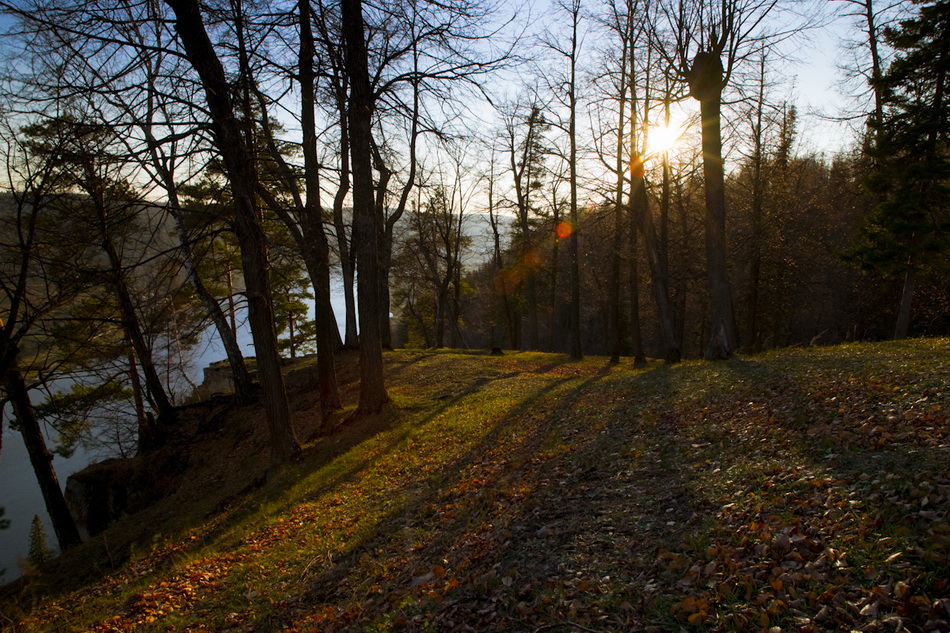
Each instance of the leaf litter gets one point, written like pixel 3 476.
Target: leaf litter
pixel 804 490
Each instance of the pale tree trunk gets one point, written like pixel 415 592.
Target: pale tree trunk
pixel 902 329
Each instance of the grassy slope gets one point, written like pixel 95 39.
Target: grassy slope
pixel 806 490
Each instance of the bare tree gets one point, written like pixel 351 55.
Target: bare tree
pixel 566 92
pixel 303 216
pixel 120 67
pixel 238 156
pixel 707 41
pixel 366 227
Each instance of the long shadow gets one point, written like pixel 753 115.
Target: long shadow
pixel 428 491
pixel 480 507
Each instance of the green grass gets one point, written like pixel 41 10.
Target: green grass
pixel 529 493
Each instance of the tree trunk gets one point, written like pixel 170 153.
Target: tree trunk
pixel 138 400
pixel 154 389
pixel 613 316
pixel 226 333
pixel 346 248
pixel 553 287
pixel 373 394
pixel 241 377
pixel 498 299
pixel 42 460
pixel 660 281
pixel 902 329
pixel 706 86
pixel 312 225
pixel 722 330
pixel 575 325
pixel 242 174
pixel 636 331
pixel 614 339
pixel 385 299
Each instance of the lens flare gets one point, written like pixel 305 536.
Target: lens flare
pixel 636 166
pixel 563 230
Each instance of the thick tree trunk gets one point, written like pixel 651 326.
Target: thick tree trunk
pixel 312 225
pixel 41 459
pixel 722 329
pixel 706 85
pixel 239 163
pixel 373 394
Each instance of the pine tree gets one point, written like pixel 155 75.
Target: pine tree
pixel 39 551
pixel 908 233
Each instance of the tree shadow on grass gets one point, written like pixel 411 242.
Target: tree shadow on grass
pixel 529 503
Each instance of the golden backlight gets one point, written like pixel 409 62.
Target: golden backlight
pixel 662 139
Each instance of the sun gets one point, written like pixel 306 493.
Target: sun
pixel 662 138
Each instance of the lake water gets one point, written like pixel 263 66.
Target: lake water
pixel 20 494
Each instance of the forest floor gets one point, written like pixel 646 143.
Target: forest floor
pixel 799 490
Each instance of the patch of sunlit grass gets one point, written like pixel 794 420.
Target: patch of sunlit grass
pixel 483 482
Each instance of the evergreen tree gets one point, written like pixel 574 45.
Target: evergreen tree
pixel 39 551
pixel 906 234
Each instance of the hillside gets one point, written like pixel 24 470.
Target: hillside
pixel 802 490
